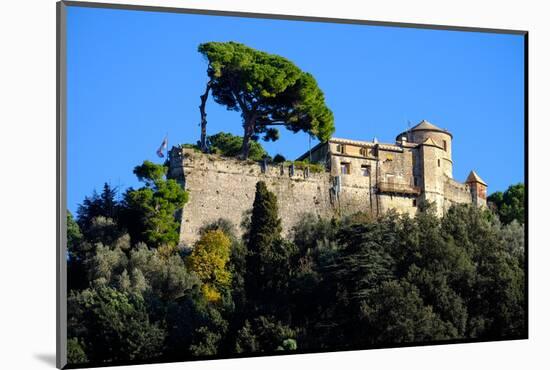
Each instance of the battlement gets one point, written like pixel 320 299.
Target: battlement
pixel 191 159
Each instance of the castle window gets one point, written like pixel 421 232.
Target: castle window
pixel 414 202
pixel 445 145
pixel 340 148
pixel 363 152
pixel 439 163
pixel 365 170
pixel 345 168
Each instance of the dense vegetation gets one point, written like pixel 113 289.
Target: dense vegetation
pixel 509 205
pixel 352 282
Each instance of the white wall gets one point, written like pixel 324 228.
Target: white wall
pixel 27 186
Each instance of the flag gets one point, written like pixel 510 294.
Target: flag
pixel 163 146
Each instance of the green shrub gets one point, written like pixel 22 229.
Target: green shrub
pixel 229 145
pixel 75 352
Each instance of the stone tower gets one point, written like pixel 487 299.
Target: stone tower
pixel 478 188
pixel 433 163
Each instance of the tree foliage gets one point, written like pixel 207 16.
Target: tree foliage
pixel 104 204
pixel 269 256
pixel 230 145
pixel 268 90
pixel 341 283
pixel 209 261
pixel 150 212
pixel 510 205
pixel 265 334
pixel 114 326
pixel 75 352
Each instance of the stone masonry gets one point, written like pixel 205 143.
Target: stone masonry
pixel 364 176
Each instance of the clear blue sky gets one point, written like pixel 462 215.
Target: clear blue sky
pixel 134 76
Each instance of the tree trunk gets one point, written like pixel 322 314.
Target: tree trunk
pixel 202 109
pixel 248 132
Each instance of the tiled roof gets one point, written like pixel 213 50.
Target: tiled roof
pixel 474 177
pixel 425 125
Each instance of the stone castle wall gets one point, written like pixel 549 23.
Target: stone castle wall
pixel 456 192
pixel 224 188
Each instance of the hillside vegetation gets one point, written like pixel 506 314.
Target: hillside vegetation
pixel 354 282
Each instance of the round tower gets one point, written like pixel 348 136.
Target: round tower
pixel 442 139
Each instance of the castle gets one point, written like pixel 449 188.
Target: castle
pixel 361 176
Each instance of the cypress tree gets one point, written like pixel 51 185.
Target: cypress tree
pixel 268 274
pixel 264 235
pixel 265 225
